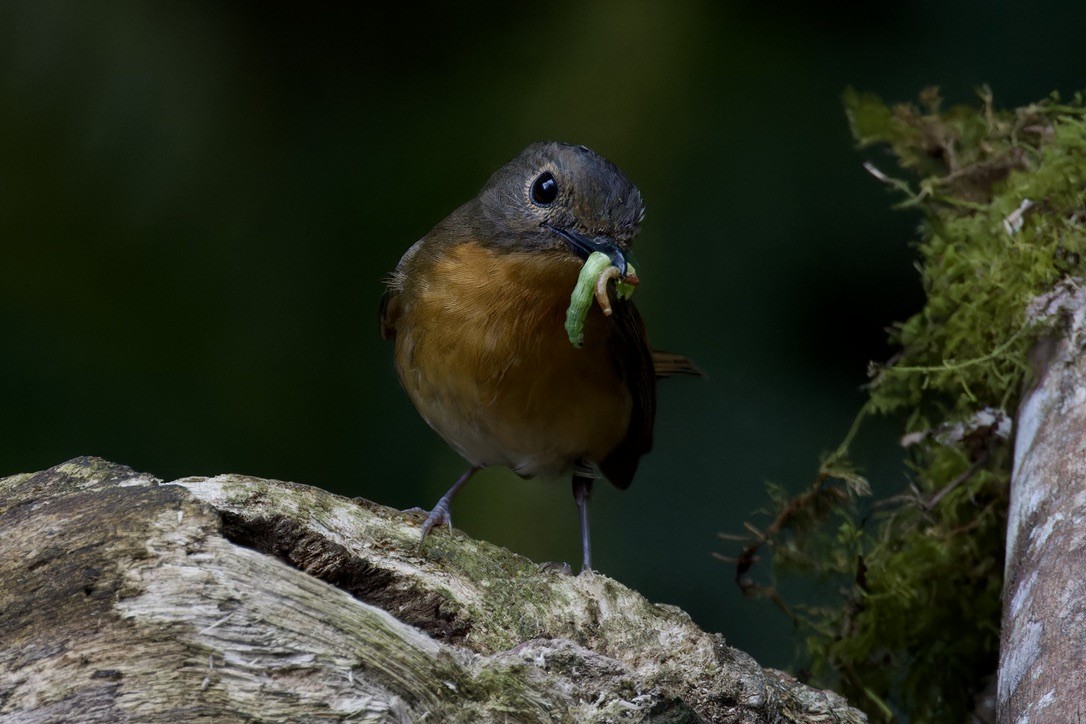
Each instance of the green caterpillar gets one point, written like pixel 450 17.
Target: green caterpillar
pixel 581 299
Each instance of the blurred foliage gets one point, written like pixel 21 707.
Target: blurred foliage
pixel 1004 205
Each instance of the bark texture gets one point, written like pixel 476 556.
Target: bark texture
pixel 1042 666
pixel 238 599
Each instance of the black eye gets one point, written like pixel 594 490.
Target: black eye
pixel 544 189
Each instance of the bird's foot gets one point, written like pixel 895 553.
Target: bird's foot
pixel 440 515
pixel 559 567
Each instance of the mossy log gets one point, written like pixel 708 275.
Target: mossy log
pixel 233 598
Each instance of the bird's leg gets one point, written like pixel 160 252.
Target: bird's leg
pixel 582 488
pixel 441 513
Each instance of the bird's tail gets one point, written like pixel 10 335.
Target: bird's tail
pixel 669 364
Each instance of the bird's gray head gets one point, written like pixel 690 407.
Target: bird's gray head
pixel 559 196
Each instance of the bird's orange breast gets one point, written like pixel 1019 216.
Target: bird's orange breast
pixel 482 351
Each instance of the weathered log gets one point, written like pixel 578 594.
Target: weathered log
pixel 1042 653
pixel 234 598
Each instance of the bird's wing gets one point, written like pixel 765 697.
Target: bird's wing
pixel 633 359
pixel 389 311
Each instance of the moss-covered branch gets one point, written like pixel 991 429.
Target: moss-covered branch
pixel 1002 199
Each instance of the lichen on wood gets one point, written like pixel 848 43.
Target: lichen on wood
pixel 1041 677
pixel 235 598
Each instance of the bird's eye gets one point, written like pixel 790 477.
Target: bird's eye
pixel 544 189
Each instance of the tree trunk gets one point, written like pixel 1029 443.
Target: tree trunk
pixel 1042 661
pixel 238 599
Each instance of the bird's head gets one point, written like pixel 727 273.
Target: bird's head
pixel 557 196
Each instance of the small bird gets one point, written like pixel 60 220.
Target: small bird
pixel 476 309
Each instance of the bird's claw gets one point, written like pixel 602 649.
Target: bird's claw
pixel 438 516
pixel 559 567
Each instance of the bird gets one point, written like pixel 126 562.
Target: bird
pixel 476 311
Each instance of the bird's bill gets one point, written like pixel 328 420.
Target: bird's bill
pixel 583 246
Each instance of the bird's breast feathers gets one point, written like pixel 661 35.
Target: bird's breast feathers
pixel 482 351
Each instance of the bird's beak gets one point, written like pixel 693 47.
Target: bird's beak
pixel 583 246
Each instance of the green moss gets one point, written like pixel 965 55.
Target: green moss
pixel 1003 200
pixel 980 265
pixel 506 690
pixel 515 591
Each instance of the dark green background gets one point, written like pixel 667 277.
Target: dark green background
pixel 198 203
